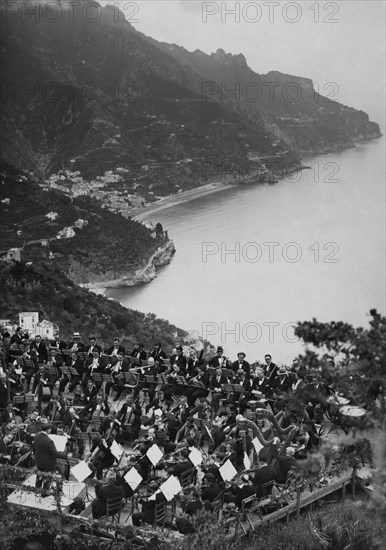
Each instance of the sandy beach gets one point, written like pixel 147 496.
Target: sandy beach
pixel 185 196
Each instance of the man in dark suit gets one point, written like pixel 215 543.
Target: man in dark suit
pixel 261 383
pixel 45 455
pixel 270 369
pixel 139 354
pixel 116 348
pixel 282 382
pixel 129 416
pixel 219 360
pixel 216 383
pixel 284 463
pixel 241 364
pixel 210 490
pixel 41 349
pixel 93 346
pixel 299 386
pixel 179 359
pixel 111 489
pixel 147 515
pixel 159 355
pixel 76 344
pixel 263 476
pixel 76 363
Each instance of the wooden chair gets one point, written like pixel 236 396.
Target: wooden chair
pixel 218 503
pixel 159 515
pixel 242 518
pixel 187 477
pixel 114 507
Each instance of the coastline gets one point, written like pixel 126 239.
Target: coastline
pixel 162 256
pixel 179 198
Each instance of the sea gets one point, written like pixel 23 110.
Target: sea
pixel 253 260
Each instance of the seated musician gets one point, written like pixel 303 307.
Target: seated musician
pixel 12 449
pixel 147 514
pixel 198 385
pixel 227 452
pixel 126 464
pixel 178 358
pixel 159 355
pixel 109 489
pixel 189 429
pixel 32 424
pixel 222 424
pixel 282 382
pixel 210 489
pixel 55 409
pixel 261 383
pixel 173 387
pixel 16 381
pixel 243 490
pixel 183 464
pixel 116 349
pixel 192 364
pixel 150 370
pixel 284 464
pixel 76 363
pixel 90 392
pixel 158 403
pixel 73 426
pixel 263 475
pixel 219 360
pixel 129 416
pixel 117 366
pixel 97 408
pixel 100 456
pixel 138 354
pixel 10 413
pixel 93 346
pixel 216 385
pixel 93 364
pixel 5 447
pixel 242 364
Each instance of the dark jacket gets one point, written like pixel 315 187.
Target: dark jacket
pixel 99 505
pixel 45 452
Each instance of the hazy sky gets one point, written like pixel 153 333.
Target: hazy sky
pixel 341 42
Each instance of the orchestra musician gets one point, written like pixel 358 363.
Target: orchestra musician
pixel 216 383
pixel 178 358
pixel 241 363
pixel 74 361
pixel 76 344
pixel 139 354
pixel 159 355
pixel 111 488
pixel 270 369
pixel 116 349
pixel 129 416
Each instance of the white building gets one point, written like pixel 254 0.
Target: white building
pixel 14 254
pixel 29 320
pixel 46 329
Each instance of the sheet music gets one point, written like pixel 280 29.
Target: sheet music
pixel 60 442
pixel 171 487
pixel 133 478
pixel 227 471
pixel 258 446
pixel 247 462
pixel 195 457
pixel 116 450
pixel 81 471
pixel 154 454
